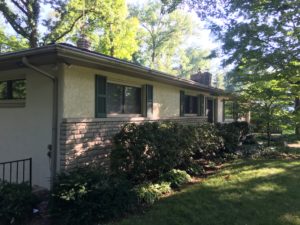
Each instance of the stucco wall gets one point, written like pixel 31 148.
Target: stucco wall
pixel 79 93
pixel 220 109
pixel 85 139
pixel 26 131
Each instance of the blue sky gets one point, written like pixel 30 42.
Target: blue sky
pixel 203 39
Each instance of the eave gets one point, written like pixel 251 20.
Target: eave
pixel 61 53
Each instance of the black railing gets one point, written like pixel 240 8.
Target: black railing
pixel 18 171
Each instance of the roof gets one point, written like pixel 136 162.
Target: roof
pixel 70 55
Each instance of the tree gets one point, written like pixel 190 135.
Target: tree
pixel 191 60
pixel 160 34
pixel 69 19
pixel 117 34
pixel 261 38
pixel 11 42
pixel 23 18
pixel 269 104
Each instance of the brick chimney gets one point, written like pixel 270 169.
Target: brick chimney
pixel 83 42
pixel 202 78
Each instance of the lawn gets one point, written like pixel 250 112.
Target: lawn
pixel 259 192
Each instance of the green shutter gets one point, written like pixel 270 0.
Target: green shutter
pixel 200 110
pixel 147 100
pixel 181 109
pixel 100 96
pixel 235 110
pixel 215 110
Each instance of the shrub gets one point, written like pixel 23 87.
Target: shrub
pixel 16 203
pixel 148 193
pixel 249 140
pixel 206 143
pixel 194 168
pixel 88 196
pixel 144 152
pixel 266 153
pixel 233 134
pixel 177 178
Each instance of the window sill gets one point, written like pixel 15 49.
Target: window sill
pixel 228 120
pixel 190 114
pixel 124 115
pixel 12 103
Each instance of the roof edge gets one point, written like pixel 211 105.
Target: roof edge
pixel 69 51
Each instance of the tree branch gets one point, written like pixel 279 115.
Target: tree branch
pixel 20 7
pixel 65 32
pixel 12 20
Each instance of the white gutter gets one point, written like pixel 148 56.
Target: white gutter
pixel 54 117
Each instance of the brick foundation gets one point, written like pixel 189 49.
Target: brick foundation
pixel 88 141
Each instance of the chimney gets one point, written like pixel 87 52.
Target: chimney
pixel 83 42
pixel 202 78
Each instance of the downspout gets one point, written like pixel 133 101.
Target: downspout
pixel 54 79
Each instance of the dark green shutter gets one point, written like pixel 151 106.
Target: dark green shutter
pixel 100 96
pixel 200 110
pixel 215 110
pixel 235 110
pixel 181 109
pixel 147 100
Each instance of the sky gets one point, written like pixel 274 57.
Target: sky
pixel 204 39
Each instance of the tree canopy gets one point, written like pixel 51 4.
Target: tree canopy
pixel 67 20
pixel 160 34
pixel 260 41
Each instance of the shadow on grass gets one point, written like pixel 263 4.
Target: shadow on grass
pixel 255 192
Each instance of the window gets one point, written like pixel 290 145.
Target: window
pixel 12 90
pixel 190 104
pixel 228 110
pixel 123 99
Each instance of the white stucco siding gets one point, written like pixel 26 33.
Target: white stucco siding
pixel 26 131
pixel 220 110
pixel 79 93
pixel 166 100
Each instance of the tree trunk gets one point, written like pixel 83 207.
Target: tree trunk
pixel 153 52
pixel 153 56
pixel 269 134
pixel 33 40
pixel 111 39
pixel 297 111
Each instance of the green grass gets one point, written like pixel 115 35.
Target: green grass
pixel 250 192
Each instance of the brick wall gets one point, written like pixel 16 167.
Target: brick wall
pixel 89 141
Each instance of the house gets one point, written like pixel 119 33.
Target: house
pixel 60 105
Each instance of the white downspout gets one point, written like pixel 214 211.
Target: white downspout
pixel 54 79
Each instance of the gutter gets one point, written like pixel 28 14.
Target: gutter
pixel 53 166
pixel 90 57
pixel 65 51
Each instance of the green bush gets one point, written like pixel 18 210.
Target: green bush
pixel 144 152
pixel 205 141
pixel 16 203
pixel 148 193
pixel 88 196
pixel 233 134
pixel 177 178
pixel 194 168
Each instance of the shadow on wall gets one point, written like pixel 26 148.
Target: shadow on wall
pixel 90 141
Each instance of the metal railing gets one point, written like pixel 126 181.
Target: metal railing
pixel 17 171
